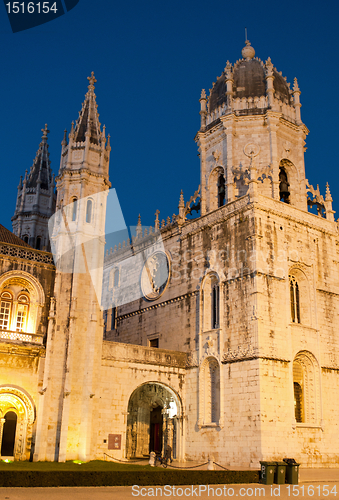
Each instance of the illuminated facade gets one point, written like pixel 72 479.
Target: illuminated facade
pixel 222 342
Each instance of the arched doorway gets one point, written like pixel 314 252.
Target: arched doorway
pixel 8 434
pixel 17 415
pixel 154 421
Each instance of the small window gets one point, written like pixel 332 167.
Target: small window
pixel 154 343
pixel 113 318
pixel 215 306
pixel 89 208
pixel 74 209
pixel 221 191
pixel 38 243
pixel 26 239
pixel 295 300
pixel 5 310
pixel 298 406
pixel 284 187
pixel 210 303
pixel 105 321
pixel 22 313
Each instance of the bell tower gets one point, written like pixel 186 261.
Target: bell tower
pixel 251 137
pixel 36 200
pixel 73 359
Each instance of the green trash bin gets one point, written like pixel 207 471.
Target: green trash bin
pixel 267 472
pixel 280 473
pixel 292 471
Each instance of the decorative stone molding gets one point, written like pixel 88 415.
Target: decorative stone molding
pixel 116 351
pixel 27 254
pixel 155 306
pixel 245 351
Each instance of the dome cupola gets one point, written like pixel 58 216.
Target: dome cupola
pixel 245 88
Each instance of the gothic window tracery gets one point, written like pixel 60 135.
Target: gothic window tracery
pixel 215 305
pixel 20 298
pixel 300 301
pixel 295 300
pixel 211 303
pixel 284 186
pixel 306 389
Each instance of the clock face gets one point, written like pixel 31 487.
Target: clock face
pixel 155 275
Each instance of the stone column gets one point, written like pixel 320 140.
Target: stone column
pixel 2 421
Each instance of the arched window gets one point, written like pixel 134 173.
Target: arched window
pixel 74 209
pixel 215 305
pixel 210 392
pixel 38 243
pixel 298 384
pixel 8 434
pixel 295 300
pixel 211 303
pixel 113 281
pixel 22 313
pixel 216 189
pixel 284 187
pixel 221 191
pixel 89 207
pixel 25 238
pixel 5 310
pixel 21 295
pixel 306 388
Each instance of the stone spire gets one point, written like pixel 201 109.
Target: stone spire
pixel 36 199
pixel 41 168
pixel 88 124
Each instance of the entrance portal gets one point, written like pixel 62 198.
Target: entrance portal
pixel 155 439
pixel 153 421
pixel 8 436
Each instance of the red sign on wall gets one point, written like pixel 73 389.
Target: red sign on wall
pixel 114 441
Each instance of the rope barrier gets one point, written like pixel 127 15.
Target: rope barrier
pixel 220 466
pixel 123 461
pixel 193 466
pixel 168 465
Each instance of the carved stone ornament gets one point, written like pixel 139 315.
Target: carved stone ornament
pixel 243 351
pixel 155 275
pixel 251 149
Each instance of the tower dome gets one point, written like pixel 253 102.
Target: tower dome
pixel 249 80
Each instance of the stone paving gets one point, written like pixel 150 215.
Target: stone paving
pixel 314 484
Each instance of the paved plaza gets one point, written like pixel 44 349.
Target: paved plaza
pixel 314 483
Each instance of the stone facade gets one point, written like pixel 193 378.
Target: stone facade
pixel 218 333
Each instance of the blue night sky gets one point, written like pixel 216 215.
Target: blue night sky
pixel 151 60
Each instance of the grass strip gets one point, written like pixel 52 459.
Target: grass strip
pixel 54 478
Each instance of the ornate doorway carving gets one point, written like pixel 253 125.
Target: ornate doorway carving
pixel 154 421
pixel 17 415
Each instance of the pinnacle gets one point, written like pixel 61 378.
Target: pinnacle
pixel 88 122
pixel 40 172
